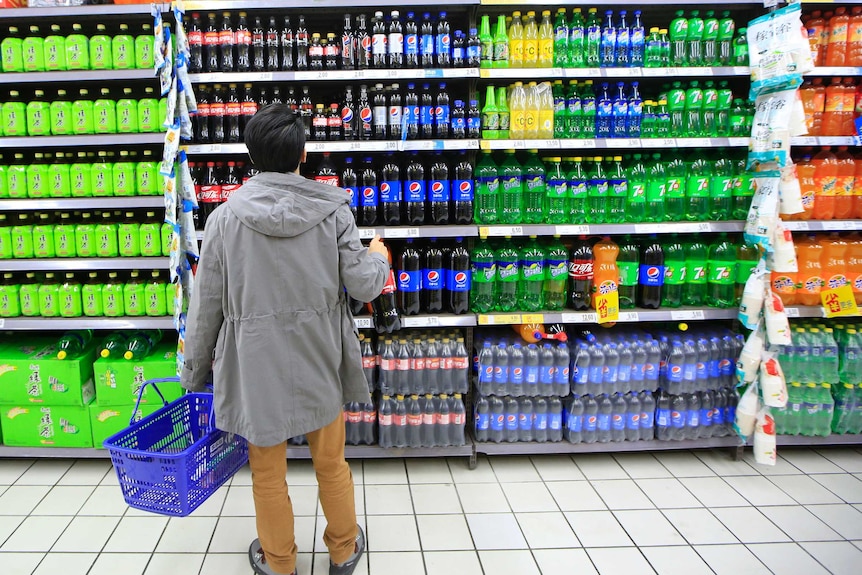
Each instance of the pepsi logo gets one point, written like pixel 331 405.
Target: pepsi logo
pixel 465 186
pixel 511 418
pixel 404 278
pixel 414 187
pixel 412 41
pixel 437 187
pixel 489 370
pixel 365 42
pixel 460 278
pixel 498 370
pixel 346 114
pixel 618 417
pixel 433 276
pixel 385 187
pixel 517 371
pixel 438 111
pixel 365 115
pixel 368 193
pixel 394 112
pixel 591 419
pixel 676 370
pixel 653 272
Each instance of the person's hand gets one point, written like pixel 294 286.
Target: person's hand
pixel 377 247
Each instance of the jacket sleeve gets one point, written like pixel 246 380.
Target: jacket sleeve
pixel 363 274
pixel 205 315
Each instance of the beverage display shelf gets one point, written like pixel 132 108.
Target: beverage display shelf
pixel 310 4
pixel 84 264
pixel 311 75
pixel 833 439
pixel 400 232
pixel 613 143
pixel 626 316
pixel 522 230
pixel 83 140
pixel 124 202
pixel 429 321
pixel 592 3
pixel 835 70
pixel 76 76
pixel 589 73
pixel 52 12
pixel 65 323
pixel 534 448
pixel 825 141
pixel 823 225
pixel 350 146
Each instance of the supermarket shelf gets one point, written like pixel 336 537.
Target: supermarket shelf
pixel 88 140
pixel 622 2
pixel 804 311
pixel 626 316
pixel 132 202
pixel 426 321
pixel 519 73
pixel 84 264
pixel 76 76
pixel 419 232
pixel 825 141
pixel 566 447
pixel 351 146
pixel 613 143
pixel 834 70
pixel 52 12
pixel 289 4
pixel 823 226
pixel 61 323
pixel 602 229
pixel 834 439
pixel 369 74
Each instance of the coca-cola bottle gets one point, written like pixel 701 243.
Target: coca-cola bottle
pixel 196 45
pixel 202 118
pixel 216 115
pixel 331 52
pixel 210 193
pixel 348 115
pixel 365 122
pixel 301 44
pixel 386 318
pixel 580 274
pixel 258 46
pixel 326 173
pixel 306 111
pixel 276 95
pixel 333 124
pixel 265 98
pixel 211 45
pixel 233 112
pixel 226 42
pixel 315 53
pixel 286 45
pixel 248 107
pixel 348 45
pixel 363 43
pixel 319 124
pixel 272 60
pixel 232 180
pixel 243 40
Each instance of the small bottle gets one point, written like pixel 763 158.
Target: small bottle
pixel 64 236
pixel 105 113
pixel 123 49
pixel 54 48
pixel 154 296
pixel 101 55
pixel 112 296
pixel 127 113
pixel 133 295
pixel 10 296
pixel 129 232
pixel 91 296
pixel 34 51
pixel 71 304
pixel 49 296
pixel 43 237
pixel 29 293
pixel 107 243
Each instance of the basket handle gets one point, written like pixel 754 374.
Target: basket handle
pixel 152 382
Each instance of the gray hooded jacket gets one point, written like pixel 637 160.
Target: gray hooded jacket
pixel 269 306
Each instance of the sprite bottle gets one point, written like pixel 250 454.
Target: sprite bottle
pixel 532 276
pixel 637 185
pixel 508 273
pixel 484 271
pixel 557 192
pixel 556 275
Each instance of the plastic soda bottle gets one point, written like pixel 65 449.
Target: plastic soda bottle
pixel 726 28
pixel 598 188
pixel 503 110
pixel 606 275
pixel 697 189
pixel 142 343
pixel 574 112
pixel 578 191
pixel 500 42
pixel 561 39
pixel 533 110
pixel 508 273
pixel 743 191
pixel 49 296
pixel 154 295
pixel 652 50
pixel 556 191
pixel 486 42
pixel 577 38
pixel 10 298
pixel 556 275
pixel 836 50
pixel 825 183
pixel 676 103
pixel 844 184
pixel 696 261
pixel 635 210
pixel 77 50
pixel 593 39
pixel 33 51
pixel 490 116
pixel 73 343
pixel 545 120
pixel 693 126
pixel 546 41
pixel 13 51
pixel 531 40
pixel 638 42
pixel 694 39
pixel 675 190
pixel 43 237
pixel 617 192
pixel 91 296
pixel 531 280
pixel 516 41
pixel 674 273
pixel 710 40
pixel 123 49
pixel 511 183
pixel 29 292
pixel 518 112
pixel 628 261
pixel 740 49
pixel 655 190
pixel 708 110
pixel 678 37
pixel 721 274
pixel 484 271
pixel 487 190
pixel 561 120
pixel 721 189
pixel 808 255
pixel 609 41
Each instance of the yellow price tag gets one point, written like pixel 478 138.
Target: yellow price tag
pixel 839 301
pixel 483 232
pixel 530 318
pixel 608 307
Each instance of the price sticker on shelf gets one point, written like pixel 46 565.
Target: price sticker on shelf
pixel 571 230
pixel 367 233
pixel 206 149
pixel 590 318
pixel 633 143
pixel 400 233
pixel 796 226
pixel 519 144
pixel 805 141
pixel 648 228
pixel 687 228
pixel 629 316
pixel 687 314
pixel 608 306
pixel 667 143
pixel 421 321
pixel 839 302
pixel 532 318
pixel 500 319
pixel 792 311
pixel 316 146
pixel 472 144
pixel 549 144
pixel 363 322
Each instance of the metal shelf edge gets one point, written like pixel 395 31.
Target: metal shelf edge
pixel 83 203
pixel 60 323
pixel 77 11
pixel 76 76
pixel 566 447
pixel 84 264
pixel 81 140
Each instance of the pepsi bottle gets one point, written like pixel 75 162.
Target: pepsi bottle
pixel 441 113
pixel 459 120
pixel 350 182
pixel 651 275
pixel 433 281
pixel 474 49
pixel 474 122
pixel 443 43
pixel 580 274
pixel 348 45
pixel 395 112
pixel 411 42
pixel 462 191
pixel 415 192
pixel 426 113
pixel 390 192
pixel 458 46
pixel 348 115
pixel 379 40
pixel 363 44
pixel 458 279
pixel 365 123
pixel 411 113
pixel 396 41
pixel 369 199
pixel 439 194
pixel 426 42
pixel 380 112
pixel 410 280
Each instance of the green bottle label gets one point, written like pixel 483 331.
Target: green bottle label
pixel 130 240
pixel 557 270
pixel 16 181
pixel 77 52
pixel 10 301
pixel 557 189
pixel 637 192
pixel 147 177
pixel 34 55
pixel 598 188
pixel 70 301
pixel 674 272
pixel 123 52
pixel 107 245
pixel 29 300
pixel 85 240
pixel 49 300
pixel 533 271
pixel 619 188
pixel 721 272
pixel 144 52
pixel 64 241
pixel 578 189
pixel 61 181
pixel 37 181
pixel 133 299
pixel 655 191
pixel 167 233
pixel 100 53
pixel 13 55
pixel 91 296
pixel 507 271
pixel 102 180
pixel 112 300
pixel 124 179
pixel 22 241
pixel 43 241
pixel 80 175
pixel 148 115
pixel 628 273
pixel 150 240
pixel 157 304
pixel 721 187
pixel 695 272
pixel 55 53
pixel 38 119
pixel 6 244
pixel 82 115
pixel 675 188
pixel 14 119
pixel 697 187
pixel 676 99
pixel 744 269
pixel 61 118
pixel 105 113
pixel 127 117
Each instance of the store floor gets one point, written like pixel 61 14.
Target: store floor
pixel 669 513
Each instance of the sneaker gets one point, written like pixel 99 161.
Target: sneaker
pixel 257 558
pixel 349 566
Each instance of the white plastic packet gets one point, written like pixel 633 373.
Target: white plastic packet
pixel 798 125
pixel 746 412
pixel 772 383
pixel 765 449
pixel 771 131
pixel 783 256
pixel 751 306
pixel 778 52
pixel 790 191
pixel 763 214
pixel 777 325
pixel 750 357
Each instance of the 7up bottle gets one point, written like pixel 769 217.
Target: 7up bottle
pixel 694 291
pixel 721 274
pixel 697 189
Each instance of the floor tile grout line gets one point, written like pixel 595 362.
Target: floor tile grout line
pixel 804 550
pixel 464 515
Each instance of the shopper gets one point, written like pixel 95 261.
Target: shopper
pixel 269 314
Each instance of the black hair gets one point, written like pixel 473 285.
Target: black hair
pixel 275 138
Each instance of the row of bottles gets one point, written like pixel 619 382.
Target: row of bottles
pixel 422 420
pixel 130 345
pixel 831 108
pixel 509 366
pixel 511 420
pixel 824 262
pixel 831 185
pixel 835 36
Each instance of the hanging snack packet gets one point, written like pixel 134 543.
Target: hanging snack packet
pixel 777 326
pixel 771 130
pixel 772 43
pixel 765 450
pixel 746 412
pixel 750 357
pixel 763 214
pixel 751 305
pixel 783 256
pixel 772 383
pixel 790 191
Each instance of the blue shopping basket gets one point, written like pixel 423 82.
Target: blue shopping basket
pixel 170 462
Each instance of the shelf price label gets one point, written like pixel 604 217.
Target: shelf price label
pixel 687 314
pixel 839 302
pixel 205 149
pixel 501 231
pixel 796 225
pixel 367 233
pixel 362 322
pixel 549 144
pixel 629 316
pixel 571 230
pixel 400 233
pixel 792 311
pixel 500 319
pixel 608 307
pixel 667 143
pixel 421 321
pixel 532 318
pixel 693 227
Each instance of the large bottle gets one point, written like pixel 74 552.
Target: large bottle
pixel 651 274
pixel 721 274
pixel 531 280
pixel 580 274
pixel 606 275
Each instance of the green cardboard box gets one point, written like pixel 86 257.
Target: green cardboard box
pixel 33 425
pixel 31 373
pixel 108 420
pixel 118 381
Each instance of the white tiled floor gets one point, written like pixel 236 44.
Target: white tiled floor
pixel 667 513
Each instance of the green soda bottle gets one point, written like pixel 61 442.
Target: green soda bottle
pixel 592 39
pixel 663 122
pixel 148 112
pixel 82 114
pixel 13 51
pixel 55 50
pixel 79 173
pixel 505 116
pixel 693 104
pixel 167 235
pixel 534 189
pixel 486 42
pixel 4 190
pixel 34 51
pixel 721 189
pixel 721 274
pixel 100 50
pixel 150 236
pixel 577 34
pixel 85 237
pixel 38 115
pixel 142 343
pixel 578 192
pixel 724 100
pixel 694 39
pixel 16 178
pixel 678 34
pixel 107 237
pixel 123 49
pixel 556 275
pixel 740 49
pixel 676 98
pixel 77 50
pixel 10 296
pixel 113 345
pixel 696 257
pixel 64 237
pixel 674 199
pixel 618 191
pixel 637 186
pixel 102 176
pixel 490 116
pixel 112 296
pixel 29 293
pixel 154 293
pixel 61 116
pixel 6 245
pixel 710 40
pixel 43 237
pixel 726 28
pixel 709 110
pixel 511 189
pixel 508 272
pixel 71 304
pixel 49 296
pixel 656 190
pixel 744 187
pixel 560 111
pixel 133 295
pixel 557 203
pixel 532 276
pixel 14 115
pixel 59 177
pixel 73 343
pixel 130 236
pixel 123 174
pixel 147 176
pixel 628 260
pixel 674 273
pixel 91 296
pixel 738 119
pixel 697 188
pixel 127 113
pixel 105 113
pixel 598 190
pixel 38 183
pixel 500 58
pixel 574 111
pixel 144 48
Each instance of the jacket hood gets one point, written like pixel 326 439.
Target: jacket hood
pixel 284 205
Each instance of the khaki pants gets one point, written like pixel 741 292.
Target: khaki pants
pixel 275 510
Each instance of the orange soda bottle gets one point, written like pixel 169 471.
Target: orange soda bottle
pixel 810 277
pixel 833 107
pixel 784 286
pixel 818 37
pixel 606 274
pixel 833 262
pixel 857 189
pixel 854 42
pixel 844 183
pixel 825 176
pixel 854 265
pixel 839 25
pixel 848 109
pixel 805 169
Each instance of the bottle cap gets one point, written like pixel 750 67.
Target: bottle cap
pixel 61 354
